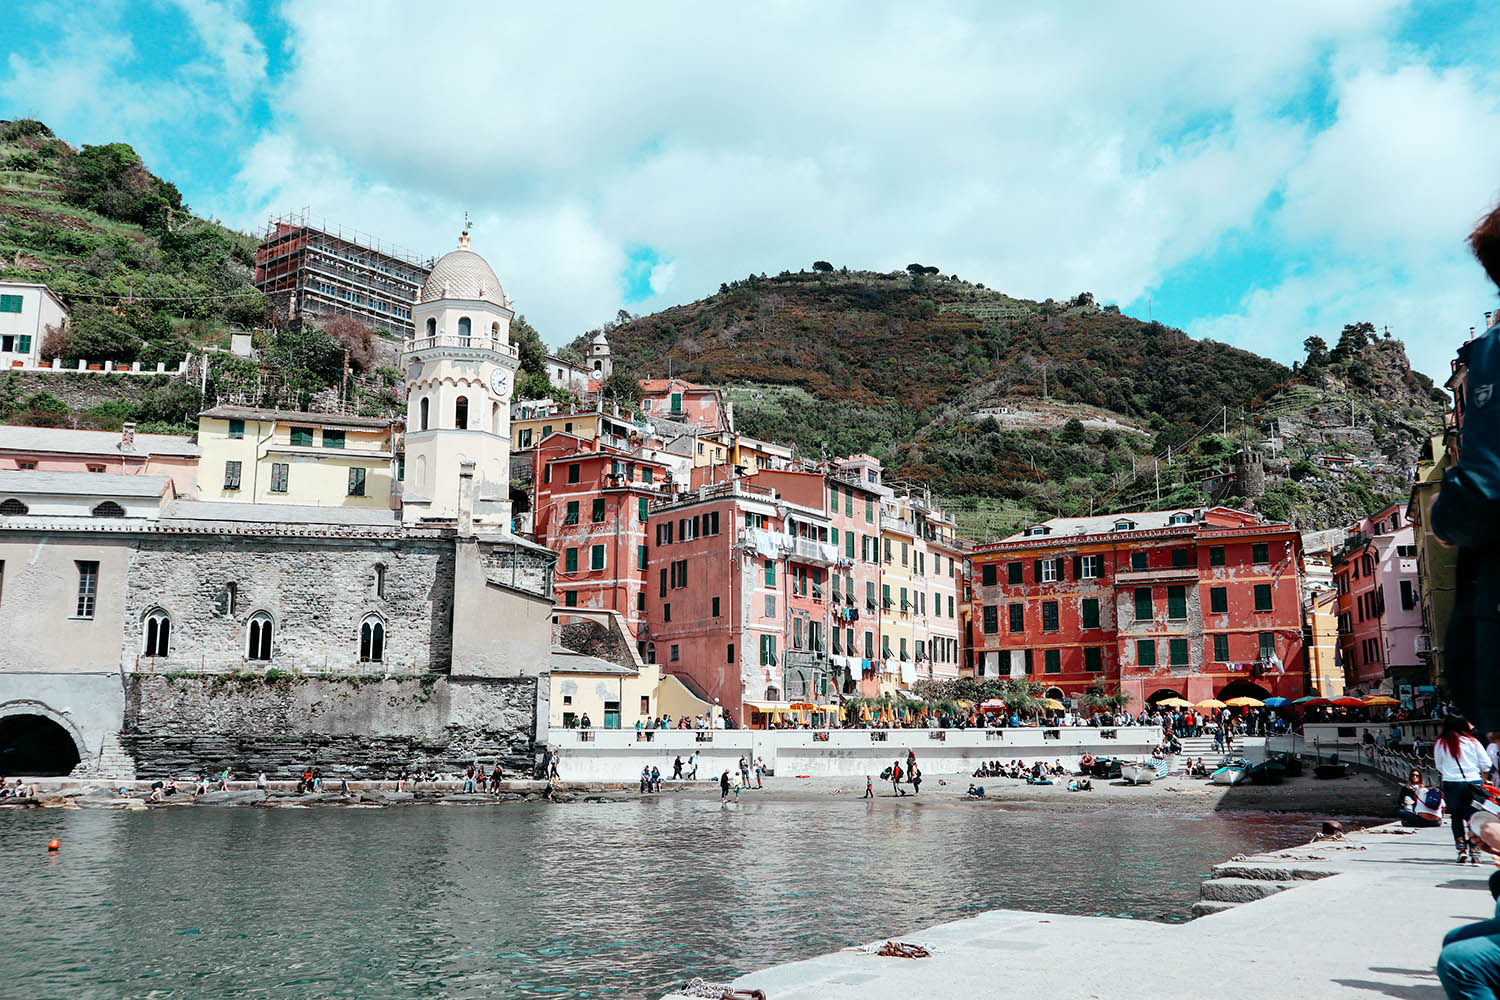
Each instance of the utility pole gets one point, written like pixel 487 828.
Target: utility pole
pixel 1158 482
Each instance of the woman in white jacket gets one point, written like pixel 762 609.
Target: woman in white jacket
pixel 1463 763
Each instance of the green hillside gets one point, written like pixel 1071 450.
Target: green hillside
pixel 1014 409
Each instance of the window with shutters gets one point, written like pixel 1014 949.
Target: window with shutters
pixel 1090 567
pixel 1089 612
pixel 987 575
pixel 1181 558
pixel 1049 571
pixel 666 612
pixel 991 619
pixel 1138 561
pixel 770 573
pixel 232 475
pixel 356 482
pixel 1145 652
pixel 302 437
pixel 1049 616
pixel 333 439
pixel 1177 652
pixel 715 607
pixel 280 475
pixel 10 303
pixel 640 557
pixel 1177 603
pixel 570 598
pixel 1268 646
pixel 570 560
pixel 1216 555
pixel 1052 661
pixel 572 515
pixel 1260 553
pixel 1143 610
pixel 596 557
pixel 1017 614
pixel 1263 597
pixel 1013 572
pixel 1218 600
pixel 770 605
pixel 1029 664
pixel 1093 659
pixel 848 545
pixel 1221 648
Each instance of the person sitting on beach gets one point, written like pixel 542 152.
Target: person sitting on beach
pixel 975 792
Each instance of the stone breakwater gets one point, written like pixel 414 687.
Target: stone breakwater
pixel 136 795
pixel 1363 915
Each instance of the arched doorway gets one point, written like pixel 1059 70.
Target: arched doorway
pixel 36 746
pixel 1242 689
pixel 1162 693
pixel 1054 692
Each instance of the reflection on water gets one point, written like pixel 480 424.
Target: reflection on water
pixel 588 900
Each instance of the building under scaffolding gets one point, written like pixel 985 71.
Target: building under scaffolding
pixel 307 272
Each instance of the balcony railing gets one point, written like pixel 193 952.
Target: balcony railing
pixel 478 342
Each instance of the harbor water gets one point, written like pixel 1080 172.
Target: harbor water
pixel 618 899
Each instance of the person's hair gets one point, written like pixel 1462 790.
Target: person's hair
pixel 1495 885
pixel 1455 728
pixel 1485 240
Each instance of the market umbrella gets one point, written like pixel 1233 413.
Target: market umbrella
pixel 1348 702
pixel 1381 700
pixel 1176 703
pixel 801 706
pixel 1208 703
pixel 1311 703
pixel 1276 702
pixel 1053 704
pixel 1245 702
pixel 1311 697
pixel 991 704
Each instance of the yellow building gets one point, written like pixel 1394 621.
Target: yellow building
pixel 751 454
pixel 533 422
pixel 285 456
pixel 1325 670
pixel 898 593
pixel 1437 563
pixel 613 695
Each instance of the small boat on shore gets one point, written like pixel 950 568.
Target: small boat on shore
pixel 1105 767
pixel 1231 771
pixel 1272 772
pixel 1138 773
pixel 1331 770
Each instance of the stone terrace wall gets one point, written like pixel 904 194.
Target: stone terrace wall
pixel 317 590
pixel 359 727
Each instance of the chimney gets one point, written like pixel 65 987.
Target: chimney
pixel 466 499
pixel 127 437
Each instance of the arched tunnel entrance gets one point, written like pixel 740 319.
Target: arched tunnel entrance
pixel 35 746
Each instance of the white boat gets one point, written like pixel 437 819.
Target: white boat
pixel 1230 774
pixel 1137 772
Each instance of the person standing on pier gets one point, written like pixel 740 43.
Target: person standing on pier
pixel 724 788
pixel 1463 764
pixel 869 788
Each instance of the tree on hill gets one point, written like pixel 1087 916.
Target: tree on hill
pixel 1317 351
pixel 529 346
pixel 1354 337
pixel 112 181
pixel 102 335
pixel 1073 431
pixel 352 335
pixel 822 267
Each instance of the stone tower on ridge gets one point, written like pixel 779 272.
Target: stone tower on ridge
pixel 600 362
pixel 460 372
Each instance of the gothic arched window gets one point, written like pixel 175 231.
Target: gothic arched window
pixel 258 637
pixel 372 640
pixel 156 637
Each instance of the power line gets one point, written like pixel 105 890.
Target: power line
pixel 160 298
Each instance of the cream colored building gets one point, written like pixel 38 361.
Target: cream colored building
pixel 286 456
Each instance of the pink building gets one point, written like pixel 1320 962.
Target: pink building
pixel 60 449
pixel 1380 614
pixel 680 400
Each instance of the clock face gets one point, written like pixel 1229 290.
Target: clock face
pixel 498 383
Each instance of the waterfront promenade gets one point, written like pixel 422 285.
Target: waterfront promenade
pixel 1369 927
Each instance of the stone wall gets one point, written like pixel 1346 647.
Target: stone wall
pixel 318 591
pixel 608 642
pixel 519 567
pixel 359 727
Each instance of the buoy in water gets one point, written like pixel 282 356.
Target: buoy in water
pixel 54 844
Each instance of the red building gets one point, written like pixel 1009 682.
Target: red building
pixel 739 584
pixel 683 401
pixel 1191 603
pixel 592 507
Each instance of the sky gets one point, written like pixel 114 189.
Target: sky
pixel 1253 173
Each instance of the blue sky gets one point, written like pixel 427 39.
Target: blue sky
pixel 1253 173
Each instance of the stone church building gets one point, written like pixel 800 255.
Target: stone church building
pixel 150 635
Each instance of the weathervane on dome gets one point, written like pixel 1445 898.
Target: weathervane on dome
pixel 463 238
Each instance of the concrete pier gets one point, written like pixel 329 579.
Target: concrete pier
pixel 1359 917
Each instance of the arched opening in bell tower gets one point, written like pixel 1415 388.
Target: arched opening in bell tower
pixel 426 406
pixel 461 413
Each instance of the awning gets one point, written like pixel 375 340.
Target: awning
pixel 769 706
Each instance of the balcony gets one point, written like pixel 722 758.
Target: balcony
pixel 817 553
pixel 1186 574
pixel 473 342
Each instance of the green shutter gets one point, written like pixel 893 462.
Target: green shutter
pixel 1145 652
pixel 570 561
pixel 1143 609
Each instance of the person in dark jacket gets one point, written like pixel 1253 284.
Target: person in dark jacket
pixel 1467 513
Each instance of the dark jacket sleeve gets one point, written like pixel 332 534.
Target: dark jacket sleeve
pixel 1462 516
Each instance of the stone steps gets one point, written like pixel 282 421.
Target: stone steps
pixel 1240 890
pixel 1238 882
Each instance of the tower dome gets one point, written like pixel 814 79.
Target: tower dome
pixel 462 274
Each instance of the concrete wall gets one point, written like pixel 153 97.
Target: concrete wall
pixel 91 706
pixel 39 603
pixel 502 597
pixel 619 755
pixel 359 727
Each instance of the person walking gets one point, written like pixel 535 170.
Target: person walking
pixel 744 772
pixel 693 767
pixel 724 788
pixel 869 788
pixel 677 768
pixel 896 777
pixel 915 776
pixel 1463 764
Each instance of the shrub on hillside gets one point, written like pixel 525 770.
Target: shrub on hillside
pixel 102 336
pixel 112 181
pixel 353 336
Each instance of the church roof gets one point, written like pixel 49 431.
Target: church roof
pixel 462 274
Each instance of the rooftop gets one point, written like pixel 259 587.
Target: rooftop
pixel 1146 520
pixel 295 416
pixel 275 514
pixel 14 482
pixel 462 274
pixel 566 661
pixel 66 441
